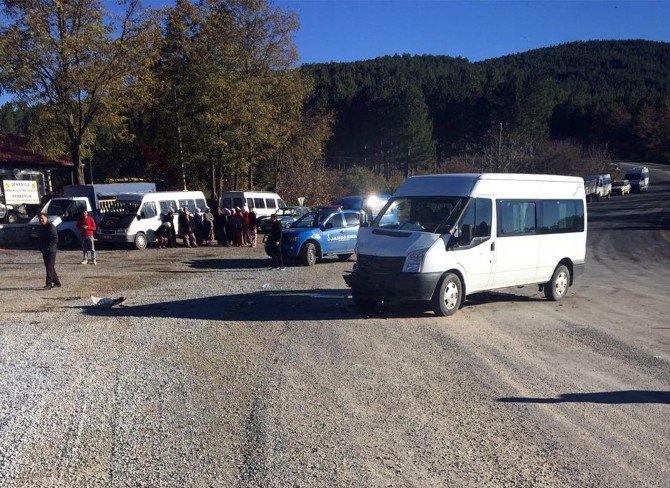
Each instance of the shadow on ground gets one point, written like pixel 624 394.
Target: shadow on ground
pixel 608 397
pixel 284 305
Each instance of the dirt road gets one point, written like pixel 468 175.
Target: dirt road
pixel 209 378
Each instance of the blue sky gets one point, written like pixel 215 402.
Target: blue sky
pixel 353 30
pixel 337 30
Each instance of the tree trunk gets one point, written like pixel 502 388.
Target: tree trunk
pixel 251 177
pixel 237 173
pixel 215 186
pixel 75 153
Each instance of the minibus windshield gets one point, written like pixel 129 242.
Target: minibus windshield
pixel 124 207
pixel 420 214
pixel 57 207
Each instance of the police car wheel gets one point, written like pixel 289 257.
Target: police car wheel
pixel 308 254
pixel 344 257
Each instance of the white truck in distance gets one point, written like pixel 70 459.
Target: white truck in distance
pixel 442 237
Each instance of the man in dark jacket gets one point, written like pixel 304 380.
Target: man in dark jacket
pixel 274 240
pixel 172 235
pixel 48 244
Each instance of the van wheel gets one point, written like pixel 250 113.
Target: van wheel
pixel 67 239
pixel 448 295
pixel 141 241
pixel 365 303
pixel 557 287
pixel 344 257
pixel 308 254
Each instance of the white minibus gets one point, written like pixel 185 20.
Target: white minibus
pixel 442 237
pixel 134 218
pixel 639 178
pixel 264 203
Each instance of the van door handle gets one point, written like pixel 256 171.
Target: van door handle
pixel 493 246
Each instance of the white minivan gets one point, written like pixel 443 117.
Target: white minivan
pixel 264 203
pixel 442 237
pixel 134 218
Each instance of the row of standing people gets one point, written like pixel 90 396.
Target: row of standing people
pixel 238 227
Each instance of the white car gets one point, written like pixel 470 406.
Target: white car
pixel 621 187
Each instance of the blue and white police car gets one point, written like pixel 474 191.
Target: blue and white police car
pixel 330 230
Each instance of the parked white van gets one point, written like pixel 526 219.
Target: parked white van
pixel 442 237
pixel 134 217
pixel 264 203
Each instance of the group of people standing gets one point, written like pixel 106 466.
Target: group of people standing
pixel 194 229
pixel 237 227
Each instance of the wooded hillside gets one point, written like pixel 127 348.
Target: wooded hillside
pixel 613 95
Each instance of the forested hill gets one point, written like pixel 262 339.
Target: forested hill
pixel 613 94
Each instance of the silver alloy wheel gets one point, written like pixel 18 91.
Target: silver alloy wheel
pixel 561 283
pixel 451 295
pixel 140 241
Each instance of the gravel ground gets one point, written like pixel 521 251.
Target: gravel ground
pixel 207 378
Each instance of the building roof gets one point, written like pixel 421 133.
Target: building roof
pixel 15 151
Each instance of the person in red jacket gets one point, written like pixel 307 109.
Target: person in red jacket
pixel 86 226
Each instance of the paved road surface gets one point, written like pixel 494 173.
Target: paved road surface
pixel 206 378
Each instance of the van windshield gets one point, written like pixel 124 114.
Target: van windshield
pixel 633 176
pixel 420 214
pixel 57 207
pixel 124 207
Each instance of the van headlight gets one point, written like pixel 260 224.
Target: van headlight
pixel 414 260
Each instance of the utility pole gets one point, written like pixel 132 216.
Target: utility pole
pixel 181 147
pixel 499 148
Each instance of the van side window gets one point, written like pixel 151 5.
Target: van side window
pixel 149 209
pixel 166 206
pixel 516 217
pixel 560 216
pixel 201 204
pixel 483 218
pixel 189 204
pixel 271 203
pixel 250 203
pixel 259 203
pixel 281 203
pixel 238 202
pixel 227 203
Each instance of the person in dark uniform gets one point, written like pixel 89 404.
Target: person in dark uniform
pixel 172 235
pixel 47 240
pixel 274 239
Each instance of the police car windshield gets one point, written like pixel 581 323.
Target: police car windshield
pixel 420 214
pixel 312 219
